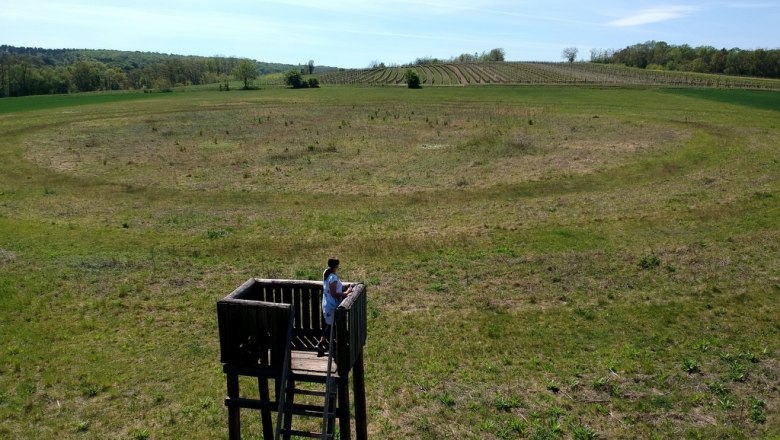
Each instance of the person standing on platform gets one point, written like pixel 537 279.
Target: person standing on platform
pixel 332 295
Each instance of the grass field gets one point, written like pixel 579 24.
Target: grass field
pixel 542 262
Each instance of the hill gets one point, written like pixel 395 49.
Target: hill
pixel 37 71
pixel 128 60
pixel 540 73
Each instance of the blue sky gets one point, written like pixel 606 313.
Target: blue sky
pixel 353 33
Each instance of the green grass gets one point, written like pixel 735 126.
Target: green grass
pixel 751 98
pixel 542 262
pixel 30 103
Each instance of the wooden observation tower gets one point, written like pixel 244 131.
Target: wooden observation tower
pixel 269 329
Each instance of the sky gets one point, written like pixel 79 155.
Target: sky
pixel 355 33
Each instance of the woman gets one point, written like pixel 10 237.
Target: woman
pixel 332 294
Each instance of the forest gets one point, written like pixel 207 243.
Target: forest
pixel 658 55
pixel 35 71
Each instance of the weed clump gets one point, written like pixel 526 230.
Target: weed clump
pixel 649 262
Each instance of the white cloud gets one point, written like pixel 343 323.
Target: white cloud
pixel 653 15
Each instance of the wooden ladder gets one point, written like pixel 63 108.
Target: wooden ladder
pixel 288 391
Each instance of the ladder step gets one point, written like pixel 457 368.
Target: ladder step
pixel 308 411
pixel 305 434
pixel 312 393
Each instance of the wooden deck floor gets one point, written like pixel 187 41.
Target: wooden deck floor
pixel 309 363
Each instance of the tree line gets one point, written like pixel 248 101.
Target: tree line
pixel 35 71
pixel 658 55
pixel 497 54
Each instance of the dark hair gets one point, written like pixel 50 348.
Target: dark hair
pixel 332 264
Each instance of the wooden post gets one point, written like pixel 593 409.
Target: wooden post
pixel 344 428
pixel 268 431
pixel 359 388
pixel 289 400
pixel 234 412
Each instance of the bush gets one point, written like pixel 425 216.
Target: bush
pixel 293 79
pixel 412 79
pixel 314 83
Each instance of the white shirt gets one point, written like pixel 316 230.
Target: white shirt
pixel 329 303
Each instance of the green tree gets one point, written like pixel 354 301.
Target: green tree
pixel 245 71
pixel 497 54
pixel 87 76
pixel 412 79
pixel 294 79
pixel 115 79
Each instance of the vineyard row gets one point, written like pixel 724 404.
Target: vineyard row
pixel 539 73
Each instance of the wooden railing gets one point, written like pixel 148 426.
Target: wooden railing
pixel 305 297
pixel 251 333
pixel 351 327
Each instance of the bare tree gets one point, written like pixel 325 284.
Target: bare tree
pixel 570 54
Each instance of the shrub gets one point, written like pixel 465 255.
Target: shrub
pixel 581 432
pixel 757 413
pixel 314 83
pixel 649 262
pixel 82 425
pixel 412 79
pixel 293 79
pixel 691 366
pixel 506 403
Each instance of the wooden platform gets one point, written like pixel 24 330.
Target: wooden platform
pixel 269 330
pixel 308 363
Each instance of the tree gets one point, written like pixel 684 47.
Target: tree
pixel 570 54
pixel 115 79
pixel 294 79
pixel 310 66
pixel 497 54
pixel 412 79
pixel 87 75
pixel 245 71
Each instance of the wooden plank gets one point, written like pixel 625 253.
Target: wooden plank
pixel 306 312
pixel 265 395
pixel 224 336
pixel 302 283
pixel 257 303
pixel 342 343
pixel 357 291
pixel 277 329
pixel 267 293
pixel 315 310
pixel 308 362
pixel 259 340
pixel 234 413
pixel 300 317
pixel 246 330
pixel 268 332
pixel 359 390
pixel 235 332
pixel 287 294
pixel 343 396
pixel 240 290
